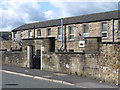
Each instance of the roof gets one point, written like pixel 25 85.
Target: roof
pixel 72 20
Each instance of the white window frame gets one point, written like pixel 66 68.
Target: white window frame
pixel 40 32
pixel 47 32
pixel 104 31
pixel 118 28
pixel 21 35
pixel 15 36
pixel 71 34
pixel 87 34
pixel 29 34
pixel 59 35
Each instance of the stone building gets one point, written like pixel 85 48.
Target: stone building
pixel 75 29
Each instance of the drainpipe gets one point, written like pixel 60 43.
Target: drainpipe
pixel 62 32
pixel 112 30
pixel 65 39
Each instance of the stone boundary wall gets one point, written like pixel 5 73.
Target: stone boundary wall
pixel 103 66
pixel 16 58
pixel 109 62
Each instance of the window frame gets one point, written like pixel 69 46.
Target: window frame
pixel 118 28
pixel 104 31
pixel 84 33
pixel 39 32
pixel 15 36
pixel 59 35
pixel 29 34
pixel 21 35
pixel 47 32
pixel 71 34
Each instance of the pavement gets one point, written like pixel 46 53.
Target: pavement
pixel 81 82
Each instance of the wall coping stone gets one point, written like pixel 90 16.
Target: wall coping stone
pixel 109 42
pixel 69 53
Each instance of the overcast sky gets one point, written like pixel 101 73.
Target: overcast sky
pixel 14 13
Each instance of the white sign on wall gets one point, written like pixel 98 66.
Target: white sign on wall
pixel 81 43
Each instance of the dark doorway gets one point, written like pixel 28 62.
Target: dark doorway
pixel 37 60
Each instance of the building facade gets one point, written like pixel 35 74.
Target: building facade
pixel 75 29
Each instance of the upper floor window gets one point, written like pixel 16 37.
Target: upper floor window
pixel 104 29
pixel 85 30
pixel 119 29
pixel 21 35
pixel 38 33
pixel 71 32
pixel 48 32
pixel 15 36
pixel 59 33
pixel 30 34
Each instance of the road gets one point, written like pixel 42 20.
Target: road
pixel 17 77
pixel 17 81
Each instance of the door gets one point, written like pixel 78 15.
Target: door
pixel 37 60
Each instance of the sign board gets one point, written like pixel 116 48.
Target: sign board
pixel 81 43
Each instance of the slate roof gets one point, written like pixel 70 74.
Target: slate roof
pixel 72 20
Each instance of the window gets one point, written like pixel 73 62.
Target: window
pixel 38 52
pixel 38 33
pixel 71 50
pixel 104 30
pixel 85 30
pixel 119 29
pixel 59 33
pixel 15 36
pixel 48 32
pixel 30 34
pixel 71 32
pixel 21 35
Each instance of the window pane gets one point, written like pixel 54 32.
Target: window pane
pixel 119 33
pixel 104 26
pixel 104 34
pixel 59 37
pixel 21 34
pixel 39 32
pixel 15 34
pixel 30 34
pixel 85 28
pixel 119 25
pixel 71 37
pixel 38 52
pixel 59 31
pixel 48 32
pixel 71 29
pixel 71 50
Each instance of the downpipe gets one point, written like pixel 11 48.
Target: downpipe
pixel 62 32
pixel 112 30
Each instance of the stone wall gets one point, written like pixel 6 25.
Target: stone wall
pixel 5 44
pixel 64 62
pixel 109 61
pixel 16 58
pixel 102 65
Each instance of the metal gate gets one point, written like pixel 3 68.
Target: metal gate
pixel 37 60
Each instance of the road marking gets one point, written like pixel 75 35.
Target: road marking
pixel 41 78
